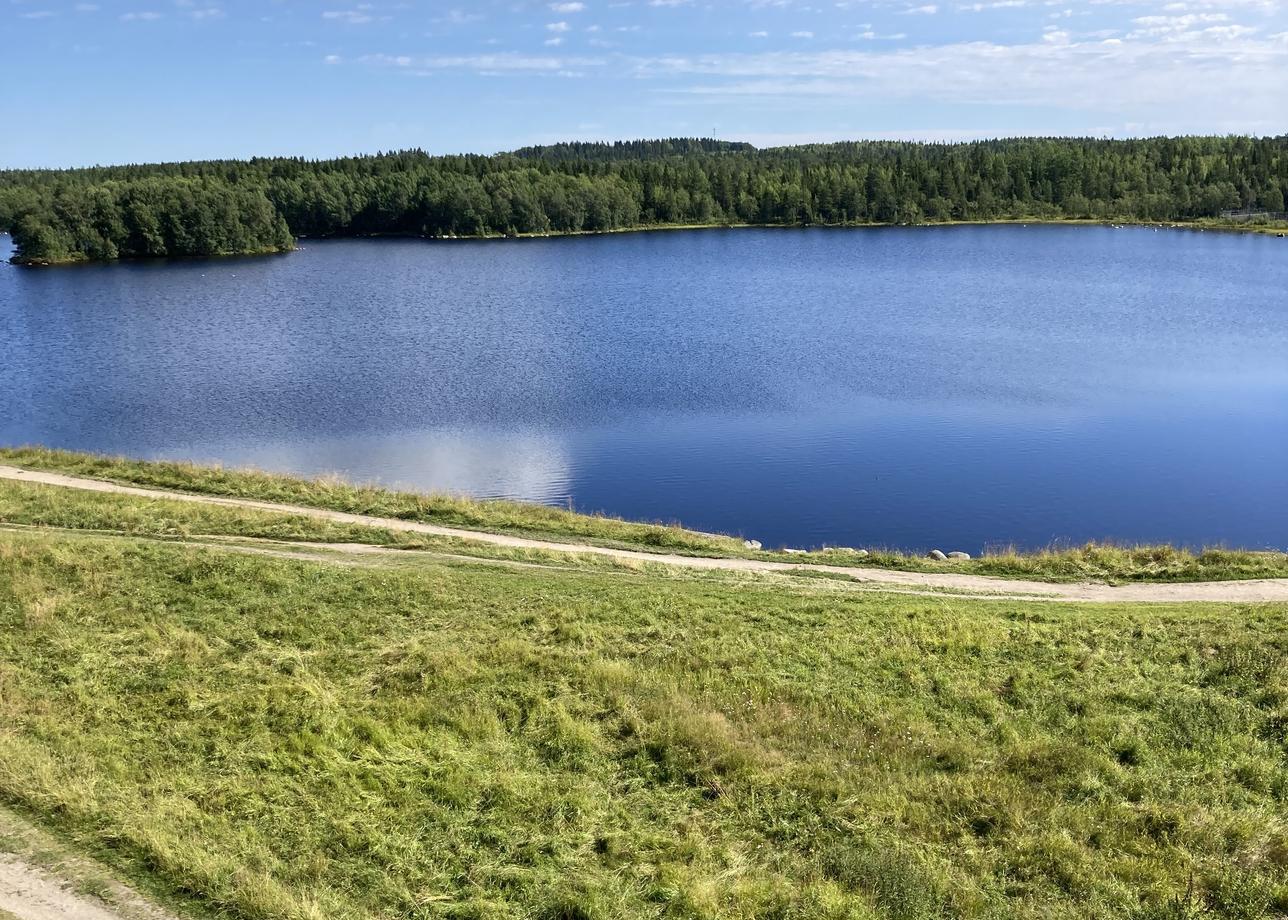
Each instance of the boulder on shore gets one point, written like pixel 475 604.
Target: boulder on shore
pixel 959 555
pixel 937 555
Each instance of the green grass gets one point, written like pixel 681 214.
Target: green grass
pixel 28 504
pixel 274 738
pixel 336 494
pixel 1094 561
pixel 71 511
pixel 37 505
pixel 33 505
pixel 1103 562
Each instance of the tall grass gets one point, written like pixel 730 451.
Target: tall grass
pixel 276 739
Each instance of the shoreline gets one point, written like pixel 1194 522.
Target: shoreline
pixel 947 578
pixel 1205 224
pixel 508 521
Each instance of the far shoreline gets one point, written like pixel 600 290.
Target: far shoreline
pixel 1279 230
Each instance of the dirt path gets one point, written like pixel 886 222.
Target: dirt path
pixel 368 555
pixel 1259 591
pixel 29 893
pixel 41 880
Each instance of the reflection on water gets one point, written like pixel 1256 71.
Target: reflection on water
pixel 957 386
pixel 533 466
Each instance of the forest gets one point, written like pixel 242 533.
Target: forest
pixel 262 205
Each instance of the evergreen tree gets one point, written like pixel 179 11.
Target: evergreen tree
pixel 260 205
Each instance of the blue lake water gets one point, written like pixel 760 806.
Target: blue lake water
pixel 953 387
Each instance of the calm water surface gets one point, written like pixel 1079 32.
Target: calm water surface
pixel 955 387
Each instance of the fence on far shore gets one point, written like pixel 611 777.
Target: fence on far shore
pixel 1252 214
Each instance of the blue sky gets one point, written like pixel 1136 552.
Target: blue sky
pixel 110 81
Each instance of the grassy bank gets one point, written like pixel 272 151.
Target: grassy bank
pixel 72 513
pixel 339 495
pixel 1101 562
pixel 266 738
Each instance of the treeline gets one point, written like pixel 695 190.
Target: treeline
pixel 631 150
pixel 258 205
pixel 146 218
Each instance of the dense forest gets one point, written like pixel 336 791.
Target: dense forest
pixel 261 205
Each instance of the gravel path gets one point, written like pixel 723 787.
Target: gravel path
pixel 1258 591
pixel 29 893
pixel 54 885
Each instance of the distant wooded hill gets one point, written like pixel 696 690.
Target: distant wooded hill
pixel 246 206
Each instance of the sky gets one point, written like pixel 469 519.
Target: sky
pixel 116 81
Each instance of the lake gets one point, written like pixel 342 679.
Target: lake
pixel 956 387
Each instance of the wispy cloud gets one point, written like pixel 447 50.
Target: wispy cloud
pixel 1189 27
pixel 1218 74
pixel 458 17
pixel 994 5
pixel 665 67
pixel 359 15
pixel 486 63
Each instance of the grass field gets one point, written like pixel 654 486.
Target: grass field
pixel 1102 562
pixel 273 738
